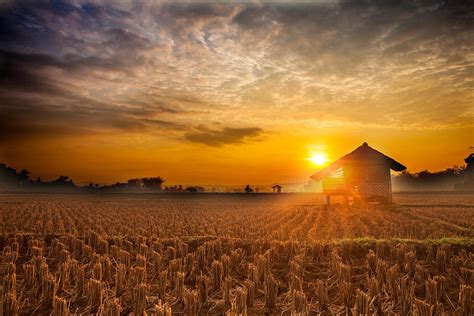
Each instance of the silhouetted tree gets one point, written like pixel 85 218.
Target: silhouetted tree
pixel 8 177
pixel 426 180
pixel 133 183
pixel 174 188
pixel 191 189
pixel 194 189
pixel 64 183
pixel 62 180
pixel 23 176
pixel 200 189
pixel 248 189
pixel 153 183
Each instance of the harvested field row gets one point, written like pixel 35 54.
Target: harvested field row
pixel 255 218
pixel 233 256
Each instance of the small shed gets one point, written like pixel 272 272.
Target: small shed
pixel 276 188
pixel 363 174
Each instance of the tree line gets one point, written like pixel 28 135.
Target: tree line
pixel 425 180
pixel 12 180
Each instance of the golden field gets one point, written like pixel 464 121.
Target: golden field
pixel 235 254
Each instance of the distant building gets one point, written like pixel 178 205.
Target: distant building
pixel 276 188
pixel 363 174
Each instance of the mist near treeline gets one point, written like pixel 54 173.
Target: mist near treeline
pixel 13 180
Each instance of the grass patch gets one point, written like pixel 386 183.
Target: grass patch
pixel 438 241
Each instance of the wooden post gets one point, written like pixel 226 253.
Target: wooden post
pixel 389 199
pixel 327 201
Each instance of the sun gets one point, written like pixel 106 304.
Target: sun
pixel 318 159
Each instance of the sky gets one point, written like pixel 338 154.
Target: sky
pixel 232 92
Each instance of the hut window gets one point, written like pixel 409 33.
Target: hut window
pixel 337 173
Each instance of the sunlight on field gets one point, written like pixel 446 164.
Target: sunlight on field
pixel 213 254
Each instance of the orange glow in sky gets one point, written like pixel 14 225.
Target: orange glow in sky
pixel 231 93
pixel 318 159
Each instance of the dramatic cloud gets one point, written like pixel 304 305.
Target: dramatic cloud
pixel 350 62
pixel 166 69
pixel 223 136
pixel 18 119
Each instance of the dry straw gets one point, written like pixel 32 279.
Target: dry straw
pixel 271 291
pixel 112 307
pixel 95 293
pixel 139 299
pixel 60 307
pixel 191 303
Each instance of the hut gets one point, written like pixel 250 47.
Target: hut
pixel 276 188
pixel 363 174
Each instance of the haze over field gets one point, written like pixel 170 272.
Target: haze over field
pixel 231 92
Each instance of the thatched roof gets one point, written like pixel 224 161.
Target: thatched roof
pixel 360 156
pixel 276 186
